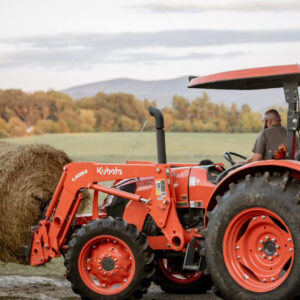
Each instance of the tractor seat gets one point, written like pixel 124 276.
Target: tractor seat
pixel 297 155
pixel 213 172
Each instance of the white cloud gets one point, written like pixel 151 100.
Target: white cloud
pixel 86 50
pixel 201 6
pixel 59 43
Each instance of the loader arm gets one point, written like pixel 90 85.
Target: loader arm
pixel 49 237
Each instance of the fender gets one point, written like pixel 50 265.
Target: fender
pixel 252 168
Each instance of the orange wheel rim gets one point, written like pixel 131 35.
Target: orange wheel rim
pixel 106 265
pixel 258 250
pixel 176 275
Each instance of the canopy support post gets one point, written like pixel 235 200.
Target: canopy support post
pixel 292 98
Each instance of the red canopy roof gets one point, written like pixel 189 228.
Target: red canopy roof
pixel 249 79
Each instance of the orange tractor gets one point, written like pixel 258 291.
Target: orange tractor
pixel 186 227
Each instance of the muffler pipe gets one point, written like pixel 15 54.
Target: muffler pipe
pixel 160 134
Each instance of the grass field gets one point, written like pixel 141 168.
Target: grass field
pixel 114 146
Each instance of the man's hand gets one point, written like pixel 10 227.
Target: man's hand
pixel 242 162
pixel 254 157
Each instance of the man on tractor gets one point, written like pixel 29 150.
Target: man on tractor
pixel 269 139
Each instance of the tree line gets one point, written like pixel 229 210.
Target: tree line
pixel 24 114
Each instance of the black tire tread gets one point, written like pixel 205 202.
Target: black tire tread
pixel 251 190
pixel 143 252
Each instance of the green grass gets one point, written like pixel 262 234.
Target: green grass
pixel 114 146
pixel 54 268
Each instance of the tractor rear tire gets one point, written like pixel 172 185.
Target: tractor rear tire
pixel 109 259
pixel 253 239
pixel 179 282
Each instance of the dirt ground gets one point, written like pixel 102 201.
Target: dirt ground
pixel 47 282
pixel 50 288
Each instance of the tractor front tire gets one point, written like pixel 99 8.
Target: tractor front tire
pixel 109 259
pixel 253 239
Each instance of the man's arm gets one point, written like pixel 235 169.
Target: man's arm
pixel 258 150
pixel 254 157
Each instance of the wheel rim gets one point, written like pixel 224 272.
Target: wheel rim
pixel 258 250
pixel 175 274
pixel 106 265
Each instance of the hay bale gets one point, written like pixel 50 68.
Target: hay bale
pixel 28 177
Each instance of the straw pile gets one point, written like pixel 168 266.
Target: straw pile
pixel 28 178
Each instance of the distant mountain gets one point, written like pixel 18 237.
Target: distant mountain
pixel 163 90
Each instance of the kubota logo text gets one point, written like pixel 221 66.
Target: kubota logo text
pixel 108 171
pixel 78 175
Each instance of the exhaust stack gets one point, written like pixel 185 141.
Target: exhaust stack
pixel 160 134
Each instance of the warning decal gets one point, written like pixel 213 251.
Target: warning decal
pixel 160 188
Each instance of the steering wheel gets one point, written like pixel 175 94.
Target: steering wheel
pixel 227 155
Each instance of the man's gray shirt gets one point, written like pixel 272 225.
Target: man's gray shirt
pixel 270 139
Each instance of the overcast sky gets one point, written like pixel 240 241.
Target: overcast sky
pixel 57 44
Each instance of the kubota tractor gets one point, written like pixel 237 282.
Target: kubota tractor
pixel 184 226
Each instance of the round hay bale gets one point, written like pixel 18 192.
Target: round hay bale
pixel 29 175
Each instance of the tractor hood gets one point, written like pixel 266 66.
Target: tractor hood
pixel 249 79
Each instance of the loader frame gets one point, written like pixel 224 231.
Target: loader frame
pixel 49 237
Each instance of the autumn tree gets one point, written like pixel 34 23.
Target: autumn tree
pixel 4 128
pixel 180 107
pixel 105 119
pixel 46 126
pixel 53 112
pixel 248 121
pixel 87 120
pixel 16 127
